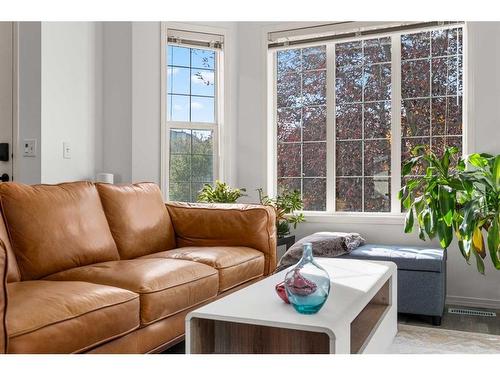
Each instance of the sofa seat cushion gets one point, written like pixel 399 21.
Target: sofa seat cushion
pixel 165 286
pixel 138 218
pixel 409 258
pixel 53 228
pixel 236 265
pixel 67 317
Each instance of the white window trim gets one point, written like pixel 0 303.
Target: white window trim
pixel 330 215
pixel 222 136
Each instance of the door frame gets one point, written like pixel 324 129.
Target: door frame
pixel 15 98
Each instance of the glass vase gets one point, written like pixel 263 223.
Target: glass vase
pixel 307 285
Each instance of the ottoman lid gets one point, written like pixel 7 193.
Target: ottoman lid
pixel 406 257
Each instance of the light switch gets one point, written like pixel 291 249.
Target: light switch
pixel 29 148
pixel 66 150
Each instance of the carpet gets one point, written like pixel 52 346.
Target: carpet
pixel 423 340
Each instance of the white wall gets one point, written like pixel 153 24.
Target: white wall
pixel 252 93
pixel 465 284
pixel 131 101
pixel 146 86
pixel 28 100
pixel 117 100
pixel 70 97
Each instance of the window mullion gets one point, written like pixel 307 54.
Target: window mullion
pixel 395 178
pixel 363 66
pixel 330 128
pixel 218 156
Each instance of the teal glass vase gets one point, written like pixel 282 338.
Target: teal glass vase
pixel 307 285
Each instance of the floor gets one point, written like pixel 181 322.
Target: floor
pixel 180 348
pixel 413 339
pixel 466 323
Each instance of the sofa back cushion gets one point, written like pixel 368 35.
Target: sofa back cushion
pixel 53 228
pixel 221 224
pixel 139 221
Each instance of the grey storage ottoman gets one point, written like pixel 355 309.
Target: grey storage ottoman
pixel 421 276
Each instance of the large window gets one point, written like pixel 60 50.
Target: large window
pixel 192 114
pixel 348 112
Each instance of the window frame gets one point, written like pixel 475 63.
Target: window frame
pixel 330 215
pixel 221 139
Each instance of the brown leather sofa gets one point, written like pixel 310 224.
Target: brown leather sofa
pixel 99 268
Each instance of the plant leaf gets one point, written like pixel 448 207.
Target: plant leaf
pixel 401 192
pixel 445 161
pixel 446 204
pixel 467 247
pixel 421 234
pixel 409 221
pixel 407 202
pixel 477 160
pixel 445 233
pixel 461 247
pixel 467 225
pixel 494 242
pixel 478 242
pixel 496 172
pixel 479 263
pixel 429 225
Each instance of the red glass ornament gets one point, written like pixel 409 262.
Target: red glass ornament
pixel 281 292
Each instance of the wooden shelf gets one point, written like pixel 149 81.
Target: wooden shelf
pixel 363 326
pixel 219 337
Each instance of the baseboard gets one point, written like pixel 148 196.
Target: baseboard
pixel 473 302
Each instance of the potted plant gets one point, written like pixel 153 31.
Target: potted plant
pixel 285 205
pixel 461 201
pixel 220 193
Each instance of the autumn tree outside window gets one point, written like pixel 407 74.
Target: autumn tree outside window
pixel 364 102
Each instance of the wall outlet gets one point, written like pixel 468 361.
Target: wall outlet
pixel 29 148
pixel 66 150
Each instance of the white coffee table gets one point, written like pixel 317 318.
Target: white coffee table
pixel 360 315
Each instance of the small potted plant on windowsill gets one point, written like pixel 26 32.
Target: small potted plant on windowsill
pixel 285 205
pixel 461 201
pixel 220 193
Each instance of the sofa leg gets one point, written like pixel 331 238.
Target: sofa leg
pixel 436 320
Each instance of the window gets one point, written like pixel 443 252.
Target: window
pixel 192 107
pixel 431 91
pixel 348 111
pixel 301 114
pixel 363 125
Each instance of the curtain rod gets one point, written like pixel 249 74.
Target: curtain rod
pixel 353 34
pixel 197 43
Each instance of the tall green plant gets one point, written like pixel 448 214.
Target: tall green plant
pixel 220 193
pixel 461 202
pixel 285 205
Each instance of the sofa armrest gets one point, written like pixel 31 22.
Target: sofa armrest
pixel 207 224
pixel 3 298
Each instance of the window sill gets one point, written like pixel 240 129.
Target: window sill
pixel 355 218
